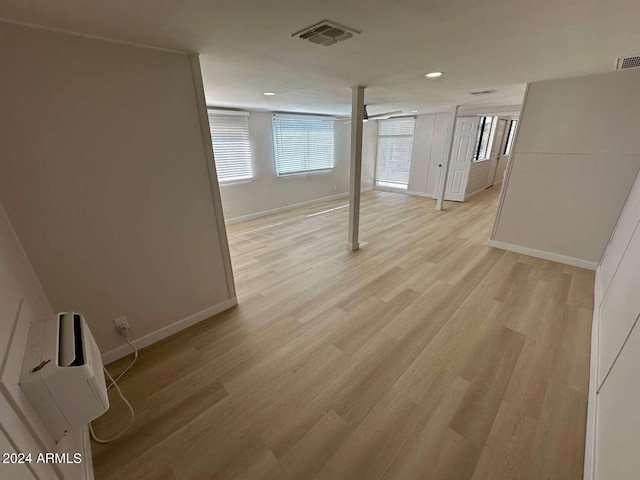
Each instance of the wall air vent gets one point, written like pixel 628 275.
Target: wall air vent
pixel 628 62
pixel 483 92
pixel 326 33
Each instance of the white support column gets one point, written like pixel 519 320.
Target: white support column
pixel 447 159
pixel 357 115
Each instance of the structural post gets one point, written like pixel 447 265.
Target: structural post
pixel 357 115
pixel 447 159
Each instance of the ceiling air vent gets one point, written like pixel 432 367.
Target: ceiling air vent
pixel 628 62
pixel 326 33
pixel 483 92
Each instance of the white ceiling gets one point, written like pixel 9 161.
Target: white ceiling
pixel 246 45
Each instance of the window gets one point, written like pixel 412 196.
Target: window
pixel 231 145
pixel 513 124
pixel 302 144
pixel 485 139
pixel 395 147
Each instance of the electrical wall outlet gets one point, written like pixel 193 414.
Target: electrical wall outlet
pixel 122 325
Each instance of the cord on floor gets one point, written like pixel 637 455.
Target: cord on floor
pixel 114 383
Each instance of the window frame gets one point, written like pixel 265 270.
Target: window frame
pixel 481 130
pixel 394 185
pixel 251 162
pixel 511 135
pixel 314 171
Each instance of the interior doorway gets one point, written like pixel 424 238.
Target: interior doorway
pixel 497 149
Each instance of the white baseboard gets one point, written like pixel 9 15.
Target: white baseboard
pixel 473 194
pixel 153 337
pixel 286 208
pixel 592 405
pixel 554 257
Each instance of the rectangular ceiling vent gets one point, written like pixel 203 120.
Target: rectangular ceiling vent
pixel 483 92
pixel 326 33
pixel 628 62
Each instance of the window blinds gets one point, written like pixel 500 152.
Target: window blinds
pixel 231 145
pixel 303 143
pixel 395 147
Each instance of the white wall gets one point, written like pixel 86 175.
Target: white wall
pixel 22 300
pixel 103 173
pixel 267 192
pixel 613 413
pixel 575 157
pixel 478 173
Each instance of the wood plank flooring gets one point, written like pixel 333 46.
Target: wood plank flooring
pixel 425 355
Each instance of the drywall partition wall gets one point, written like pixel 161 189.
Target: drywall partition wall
pixel 268 193
pixel 21 302
pixel 573 163
pixel 104 175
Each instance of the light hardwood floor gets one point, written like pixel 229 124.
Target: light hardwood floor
pixel 425 355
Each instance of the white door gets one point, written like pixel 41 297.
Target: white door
pixel 497 149
pixel 464 144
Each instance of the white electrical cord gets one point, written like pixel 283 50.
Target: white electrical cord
pixel 126 402
pixel 135 357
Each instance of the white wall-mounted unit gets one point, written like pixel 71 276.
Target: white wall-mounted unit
pixel 62 374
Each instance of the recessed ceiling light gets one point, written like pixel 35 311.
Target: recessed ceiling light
pixel 269 94
pixel 414 111
pixel 434 74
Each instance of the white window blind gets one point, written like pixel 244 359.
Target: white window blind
pixel 303 144
pixel 395 148
pixel 231 145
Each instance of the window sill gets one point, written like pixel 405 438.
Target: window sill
pixel 235 182
pixel 390 188
pixel 303 174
